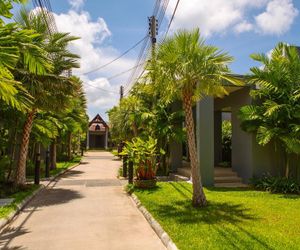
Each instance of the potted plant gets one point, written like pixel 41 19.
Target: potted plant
pixel 143 154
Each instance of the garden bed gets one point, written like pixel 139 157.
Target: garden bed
pixel 234 219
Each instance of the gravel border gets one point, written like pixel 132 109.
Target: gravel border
pixel 166 240
pixel 20 206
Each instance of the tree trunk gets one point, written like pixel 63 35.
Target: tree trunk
pixel 69 153
pixel 53 155
pixel 199 198
pixel 20 178
pixel 13 151
pixel 287 166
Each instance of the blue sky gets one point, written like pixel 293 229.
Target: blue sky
pixel 108 28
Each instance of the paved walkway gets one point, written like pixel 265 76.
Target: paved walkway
pixel 86 209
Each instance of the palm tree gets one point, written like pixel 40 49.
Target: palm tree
pixel 275 116
pixel 189 69
pixel 49 90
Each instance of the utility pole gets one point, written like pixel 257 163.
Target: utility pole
pixel 121 92
pixel 153 31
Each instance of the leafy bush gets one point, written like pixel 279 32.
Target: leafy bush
pixel 120 172
pixel 277 185
pixel 143 154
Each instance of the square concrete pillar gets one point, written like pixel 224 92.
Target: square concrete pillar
pixel 106 139
pixel 88 139
pixel 175 155
pixel 205 139
pixel 217 137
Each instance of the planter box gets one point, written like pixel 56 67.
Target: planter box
pixel 145 183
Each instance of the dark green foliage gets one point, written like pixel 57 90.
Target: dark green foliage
pixel 226 143
pixel 277 185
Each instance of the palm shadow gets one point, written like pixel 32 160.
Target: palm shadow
pixel 71 173
pixel 54 196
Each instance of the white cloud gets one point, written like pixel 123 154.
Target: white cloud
pixel 277 18
pixel 243 27
pixel 94 52
pixel 219 16
pixel 76 4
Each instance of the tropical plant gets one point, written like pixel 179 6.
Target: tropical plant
pixel 188 70
pixel 143 154
pixel 125 119
pixel 35 69
pixel 276 184
pixel 276 114
pixel 226 142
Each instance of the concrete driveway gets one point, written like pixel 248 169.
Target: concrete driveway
pixel 85 209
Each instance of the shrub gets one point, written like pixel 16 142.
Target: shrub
pixel 277 185
pixel 143 154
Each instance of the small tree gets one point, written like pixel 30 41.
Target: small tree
pixel 276 116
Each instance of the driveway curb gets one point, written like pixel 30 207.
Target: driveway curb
pixel 164 237
pixel 22 204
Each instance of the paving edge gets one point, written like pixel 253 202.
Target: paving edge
pixel 23 203
pixel 164 237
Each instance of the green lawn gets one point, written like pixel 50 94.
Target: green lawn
pixel 18 196
pixel 61 166
pixel 234 218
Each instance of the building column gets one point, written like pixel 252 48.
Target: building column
pixel 175 155
pixel 106 138
pixel 205 139
pixel 88 139
pixel 217 137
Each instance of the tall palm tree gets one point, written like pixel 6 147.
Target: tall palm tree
pixel 189 70
pixel 49 90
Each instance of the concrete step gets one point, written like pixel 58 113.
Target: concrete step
pixel 231 185
pixel 184 172
pixel 218 172
pixel 176 177
pixel 227 179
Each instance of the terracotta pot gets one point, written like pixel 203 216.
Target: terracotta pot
pixel 145 183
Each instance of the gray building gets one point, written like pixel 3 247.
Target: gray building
pixel 248 159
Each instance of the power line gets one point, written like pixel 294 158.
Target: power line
pixel 171 20
pixel 124 53
pixel 106 90
pixel 112 77
pixel 159 10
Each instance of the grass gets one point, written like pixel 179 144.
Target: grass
pixel 18 195
pixel 234 218
pixel 61 166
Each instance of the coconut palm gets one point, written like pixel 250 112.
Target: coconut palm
pixel 276 115
pixel 50 91
pixel 189 70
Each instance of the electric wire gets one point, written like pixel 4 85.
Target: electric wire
pixel 124 53
pixel 144 48
pixel 171 20
pixel 112 77
pixel 160 12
